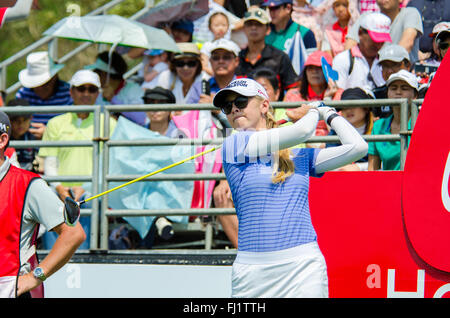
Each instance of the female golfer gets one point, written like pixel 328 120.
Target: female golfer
pixel 278 254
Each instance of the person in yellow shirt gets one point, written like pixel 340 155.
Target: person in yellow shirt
pixel 84 89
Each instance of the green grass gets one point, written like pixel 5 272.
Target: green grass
pixel 16 35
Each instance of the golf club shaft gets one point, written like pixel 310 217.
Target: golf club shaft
pixel 150 174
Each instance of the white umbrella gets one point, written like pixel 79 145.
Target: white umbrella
pixel 113 29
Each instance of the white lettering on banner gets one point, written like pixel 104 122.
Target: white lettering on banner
pixel 444 190
pixel 374 279
pixel 74 278
pixel 441 291
pixel 420 293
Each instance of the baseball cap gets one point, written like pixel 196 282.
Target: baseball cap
pixel 85 77
pixel 356 93
pixel 377 25
pixel 5 124
pixel 187 49
pixel 405 76
pixel 441 34
pixel 315 58
pixel 226 45
pixel 441 26
pixel 102 66
pixel 242 86
pixel 161 94
pixel 274 3
pixel 183 25
pixel 257 14
pixel 153 52
pixel 393 52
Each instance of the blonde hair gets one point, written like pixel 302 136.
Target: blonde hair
pixel 283 166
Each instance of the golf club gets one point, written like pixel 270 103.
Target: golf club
pixel 72 208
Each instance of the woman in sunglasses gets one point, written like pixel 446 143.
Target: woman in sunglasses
pixel 278 254
pixel 184 70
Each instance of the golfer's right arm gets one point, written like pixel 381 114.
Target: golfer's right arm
pixel 46 209
pixel 69 239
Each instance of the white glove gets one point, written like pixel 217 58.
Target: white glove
pixel 325 112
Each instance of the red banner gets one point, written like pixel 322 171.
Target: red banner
pixel 386 233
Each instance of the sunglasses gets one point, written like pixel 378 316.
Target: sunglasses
pixel 226 57
pixel 444 45
pixel 258 13
pixel 184 63
pixel 240 102
pixel 90 89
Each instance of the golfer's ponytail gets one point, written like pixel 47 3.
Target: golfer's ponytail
pixel 283 167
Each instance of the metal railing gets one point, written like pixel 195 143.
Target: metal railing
pixel 101 144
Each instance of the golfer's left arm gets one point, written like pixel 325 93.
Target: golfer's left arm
pixel 353 147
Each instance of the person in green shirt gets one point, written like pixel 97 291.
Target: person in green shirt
pixel 283 28
pixel 385 155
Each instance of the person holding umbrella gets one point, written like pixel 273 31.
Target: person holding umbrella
pixel 115 89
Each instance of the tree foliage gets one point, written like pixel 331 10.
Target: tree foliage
pixel 16 35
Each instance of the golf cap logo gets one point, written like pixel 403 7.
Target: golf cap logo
pixel 238 83
pixel 4 127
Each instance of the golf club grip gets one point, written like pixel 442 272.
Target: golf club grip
pixel 152 173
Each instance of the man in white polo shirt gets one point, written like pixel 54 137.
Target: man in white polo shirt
pixel 359 66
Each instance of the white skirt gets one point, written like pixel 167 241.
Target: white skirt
pixel 296 272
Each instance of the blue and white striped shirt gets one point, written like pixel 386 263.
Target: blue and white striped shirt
pixel 59 98
pixel 271 216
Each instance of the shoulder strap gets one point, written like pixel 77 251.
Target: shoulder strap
pixel 352 60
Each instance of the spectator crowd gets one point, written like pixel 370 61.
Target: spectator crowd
pixel 379 49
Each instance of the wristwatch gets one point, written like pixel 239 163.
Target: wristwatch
pixel 39 274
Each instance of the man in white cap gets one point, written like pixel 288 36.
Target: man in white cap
pixel 358 67
pixel 84 89
pixel 42 87
pixel 392 59
pixel 28 202
pixel 406 28
pixel 224 61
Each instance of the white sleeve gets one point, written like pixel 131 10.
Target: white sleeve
pixel 267 141
pixel 352 149
pixel 51 168
pixel 341 64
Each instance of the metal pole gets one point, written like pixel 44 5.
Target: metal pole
pixel 404 136
pixel 95 179
pixel 104 202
